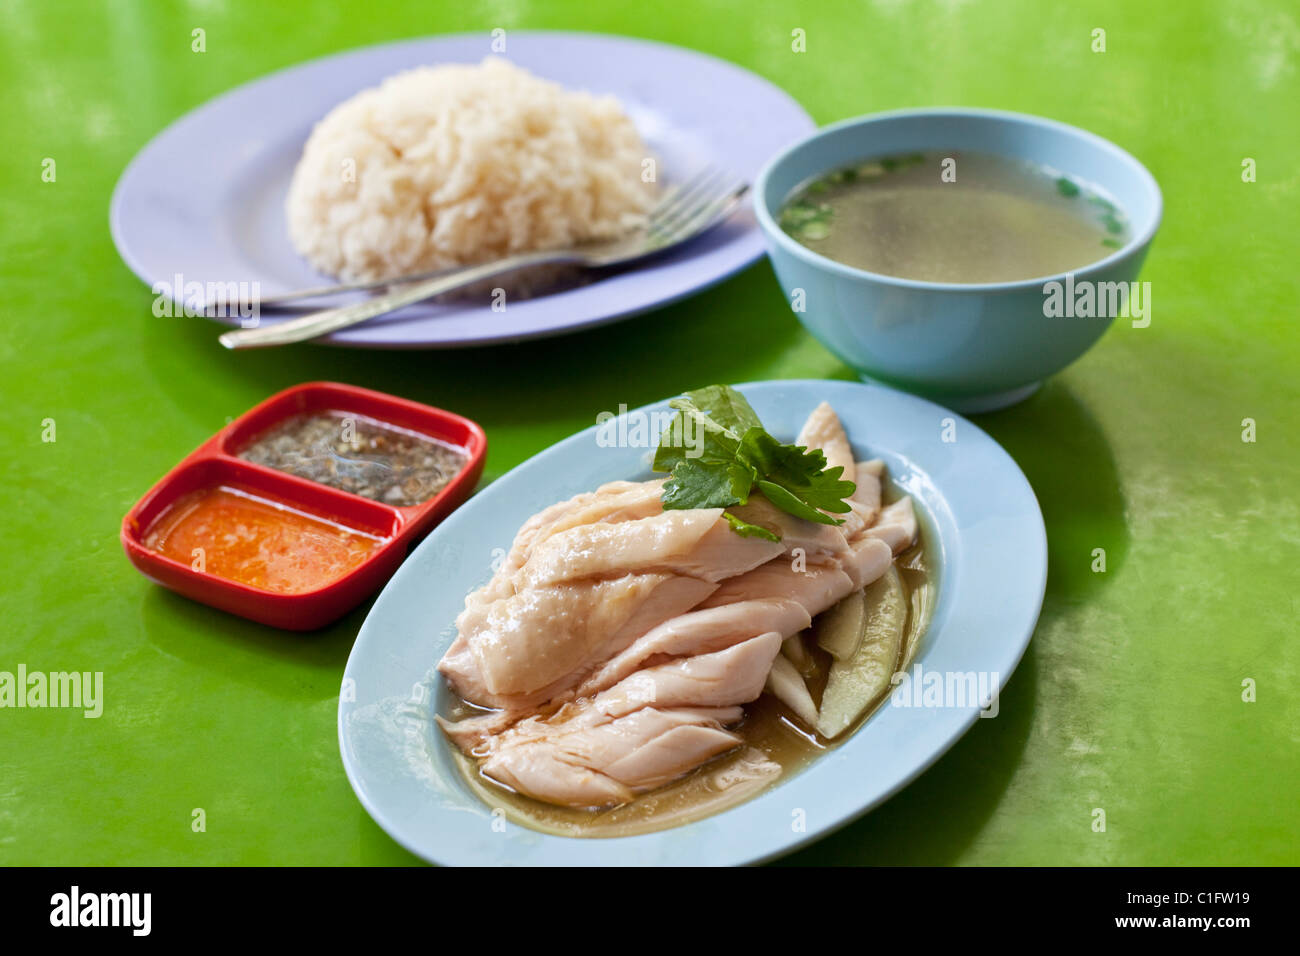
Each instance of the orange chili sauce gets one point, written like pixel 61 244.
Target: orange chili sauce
pixel 257 542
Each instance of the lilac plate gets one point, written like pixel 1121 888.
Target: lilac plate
pixel 204 200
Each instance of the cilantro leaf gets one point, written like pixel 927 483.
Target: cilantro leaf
pixel 693 435
pixel 718 453
pixel 708 424
pixel 726 406
pixel 800 472
pixel 747 530
pixel 788 502
pixel 708 484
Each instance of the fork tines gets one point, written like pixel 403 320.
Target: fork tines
pixel 691 204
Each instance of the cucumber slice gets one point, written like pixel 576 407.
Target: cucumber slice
pixel 786 683
pixel 855 684
pixel 839 628
pixel 793 648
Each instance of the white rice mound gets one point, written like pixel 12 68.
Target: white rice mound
pixel 451 165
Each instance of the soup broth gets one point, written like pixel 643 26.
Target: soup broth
pixel 955 217
pixel 777 745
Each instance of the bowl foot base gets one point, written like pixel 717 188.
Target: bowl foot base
pixel 975 404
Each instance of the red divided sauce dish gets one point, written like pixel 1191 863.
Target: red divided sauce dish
pixel 260 539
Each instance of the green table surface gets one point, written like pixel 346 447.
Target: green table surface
pixel 1130 698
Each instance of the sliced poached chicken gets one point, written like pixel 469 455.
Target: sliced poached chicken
pixel 618 641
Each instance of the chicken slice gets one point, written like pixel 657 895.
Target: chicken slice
pixel 734 675
pixel 473 735
pixel 816 587
pixel 896 525
pixel 815 540
pixel 823 430
pixel 686 636
pixel 670 755
pixel 696 542
pixel 646 730
pixel 700 632
pixel 612 502
pixel 869 561
pixel 584 594
pixel 525 649
pixel 869 477
pixel 587 762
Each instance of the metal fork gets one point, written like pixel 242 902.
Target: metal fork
pixel 683 212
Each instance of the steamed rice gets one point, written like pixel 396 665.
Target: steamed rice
pixel 452 165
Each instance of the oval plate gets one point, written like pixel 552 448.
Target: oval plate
pixel 991 550
pixel 215 213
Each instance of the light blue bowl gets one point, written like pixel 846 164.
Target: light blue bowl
pixel 973 347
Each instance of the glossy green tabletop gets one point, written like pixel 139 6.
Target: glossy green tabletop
pixel 1130 698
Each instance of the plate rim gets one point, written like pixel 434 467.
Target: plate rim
pixel 752 233
pixel 1036 592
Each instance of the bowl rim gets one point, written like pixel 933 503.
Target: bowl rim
pixel 778 236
